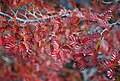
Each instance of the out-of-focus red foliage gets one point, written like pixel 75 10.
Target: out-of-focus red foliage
pixel 38 42
pixel 15 3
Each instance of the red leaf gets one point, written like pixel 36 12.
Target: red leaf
pixel 55 54
pixel 72 3
pixel 1 40
pixel 62 54
pixel 77 56
pixel 22 47
pixel 84 39
pixel 75 20
pixel 95 56
pixel 55 45
pixel 2 29
pixel 80 64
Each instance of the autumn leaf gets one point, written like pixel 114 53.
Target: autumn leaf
pixel 1 41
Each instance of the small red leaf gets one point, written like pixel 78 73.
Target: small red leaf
pixel 77 56
pixel 1 41
pixel 22 47
pixel 72 3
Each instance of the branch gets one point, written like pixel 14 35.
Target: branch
pixel 6 15
pixel 115 23
pixel 19 19
pixel 28 20
pixel 111 2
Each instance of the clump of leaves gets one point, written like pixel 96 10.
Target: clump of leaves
pixel 39 40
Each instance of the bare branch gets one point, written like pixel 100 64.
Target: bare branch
pixel 28 20
pixel 6 15
pixel 111 2
pixel 24 15
pixel 32 14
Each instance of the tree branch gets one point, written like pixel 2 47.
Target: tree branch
pixel 6 15
pixel 111 2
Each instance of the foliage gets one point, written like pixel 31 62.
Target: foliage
pixel 42 41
